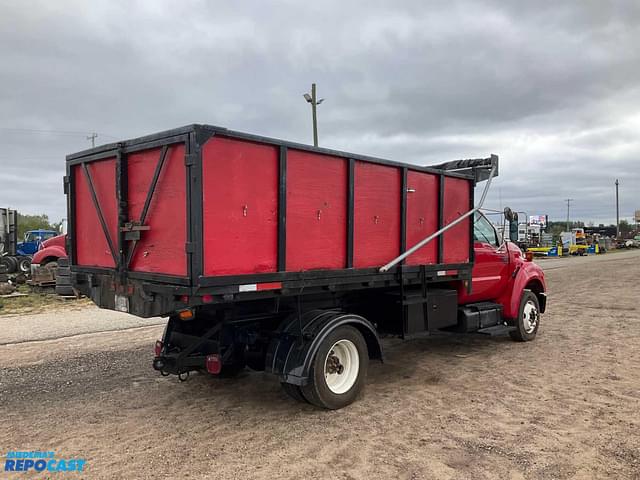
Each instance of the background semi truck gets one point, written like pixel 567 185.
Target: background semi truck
pixel 288 258
pixel 15 255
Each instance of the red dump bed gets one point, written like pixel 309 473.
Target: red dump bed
pixel 203 205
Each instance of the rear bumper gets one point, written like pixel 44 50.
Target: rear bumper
pixel 145 299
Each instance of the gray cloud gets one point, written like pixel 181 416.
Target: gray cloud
pixel 553 89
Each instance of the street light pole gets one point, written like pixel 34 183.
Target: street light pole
pixel 314 105
pixel 312 99
pixel 617 212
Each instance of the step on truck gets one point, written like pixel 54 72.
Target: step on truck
pixel 290 259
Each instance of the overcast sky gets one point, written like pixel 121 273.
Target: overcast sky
pixel 554 90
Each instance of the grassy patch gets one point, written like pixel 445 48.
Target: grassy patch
pixel 37 302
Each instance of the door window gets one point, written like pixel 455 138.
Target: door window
pixel 483 230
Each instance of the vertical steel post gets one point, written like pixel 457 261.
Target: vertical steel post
pixel 313 113
pixel 617 212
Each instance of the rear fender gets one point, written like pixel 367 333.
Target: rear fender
pixel 290 354
pixel 528 277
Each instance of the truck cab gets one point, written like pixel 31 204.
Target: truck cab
pixel 32 241
pixel 502 275
pixel 50 251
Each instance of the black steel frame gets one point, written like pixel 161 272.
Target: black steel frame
pixel 194 137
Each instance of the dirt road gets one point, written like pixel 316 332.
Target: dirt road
pixel 458 407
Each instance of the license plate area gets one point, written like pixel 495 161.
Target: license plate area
pixel 122 303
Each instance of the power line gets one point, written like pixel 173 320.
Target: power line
pixel 54 132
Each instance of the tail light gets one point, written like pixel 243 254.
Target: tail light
pixel 213 364
pixel 207 298
pixel 158 348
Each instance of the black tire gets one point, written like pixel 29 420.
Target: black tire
pixel 294 391
pixel 24 264
pixel 5 264
pixel 63 262
pixel 10 264
pixel 65 290
pixel 63 275
pixel 317 390
pixel 523 331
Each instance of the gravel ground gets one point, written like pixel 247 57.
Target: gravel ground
pixel 66 322
pixel 450 407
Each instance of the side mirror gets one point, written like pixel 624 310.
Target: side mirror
pixel 513 230
pixel 512 218
pixel 508 214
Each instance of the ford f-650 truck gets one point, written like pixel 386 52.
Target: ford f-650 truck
pixel 287 258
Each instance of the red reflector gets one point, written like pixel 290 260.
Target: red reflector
pixel 158 348
pixel 269 286
pixel 213 364
pixel 207 298
pixel 184 298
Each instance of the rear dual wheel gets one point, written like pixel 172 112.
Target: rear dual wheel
pixel 8 264
pixel 338 371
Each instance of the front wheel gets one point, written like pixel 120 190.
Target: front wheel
pixel 338 370
pixel 528 318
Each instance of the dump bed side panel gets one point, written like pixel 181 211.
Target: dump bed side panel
pixel 422 215
pixel 377 203
pixel 91 244
pixel 316 211
pixel 457 201
pixel 161 248
pixel 240 207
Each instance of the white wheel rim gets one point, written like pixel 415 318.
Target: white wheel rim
pixel 341 366
pixel 529 316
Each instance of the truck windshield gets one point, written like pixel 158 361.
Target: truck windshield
pixel 38 236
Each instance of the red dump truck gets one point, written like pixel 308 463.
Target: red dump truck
pixel 287 258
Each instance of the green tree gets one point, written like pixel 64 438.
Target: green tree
pixel 625 228
pixel 32 222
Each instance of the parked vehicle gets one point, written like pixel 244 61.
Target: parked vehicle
pixel 16 256
pixel 33 239
pixel 52 260
pixel 50 252
pixel 288 258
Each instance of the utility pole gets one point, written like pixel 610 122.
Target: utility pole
pixel 314 103
pixel 568 200
pixel 92 137
pixel 617 212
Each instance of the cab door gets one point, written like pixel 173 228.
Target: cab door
pixel 491 268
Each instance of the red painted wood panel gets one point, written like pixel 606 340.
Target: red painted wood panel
pixel 316 211
pixel 91 245
pixel 240 213
pixel 376 238
pixel 422 215
pixel 160 249
pixel 456 203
